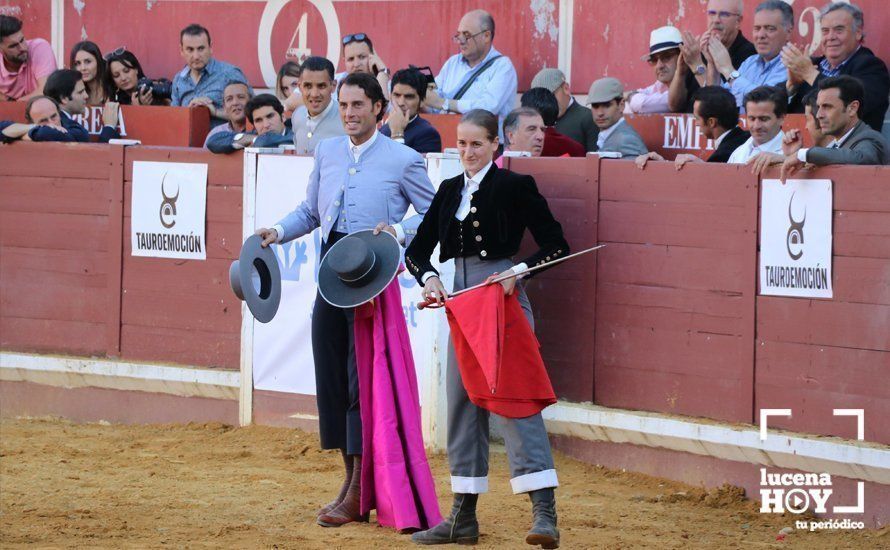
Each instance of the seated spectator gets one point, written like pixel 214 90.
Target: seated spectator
pixel 606 101
pixel 44 123
pixel 717 116
pixel 842 36
pixel 574 120
pixel 765 108
pixel 811 109
pixel 773 23
pixel 66 88
pixel 265 113
pixel 479 77
pixel 318 117
pixel 664 51
pixel 359 57
pixel 235 98
pixel 854 142
pixel 405 124
pixel 203 78
pixel 555 144
pixel 287 89
pixel 724 23
pixel 122 75
pixel 524 133
pixel 24 64
pixel 87 59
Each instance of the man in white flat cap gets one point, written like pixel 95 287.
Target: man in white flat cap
pixel 664 51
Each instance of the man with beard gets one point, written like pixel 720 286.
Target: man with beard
pixel 664 51
pixel 24 64
pixel 317 118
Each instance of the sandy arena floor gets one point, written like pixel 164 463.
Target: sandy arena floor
pixel 208 485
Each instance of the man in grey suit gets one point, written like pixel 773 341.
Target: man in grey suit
pixel 839 103
pixel 317 118
pixel 363 180
pixel 606 100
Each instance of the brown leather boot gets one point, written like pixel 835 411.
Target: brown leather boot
pixel 348 464
pixel 349 509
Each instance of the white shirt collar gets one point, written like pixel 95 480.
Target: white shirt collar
pixel 357 150
pixel 478 177
pixel 844 137
pixel 771 146
pixel 604 134
pixel 720 139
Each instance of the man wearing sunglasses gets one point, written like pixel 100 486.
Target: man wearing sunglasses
pixel 724 25
pixel 664 51
pixel 479 77
pixel 359 57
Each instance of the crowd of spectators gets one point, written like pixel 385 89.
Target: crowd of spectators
pixel 717 75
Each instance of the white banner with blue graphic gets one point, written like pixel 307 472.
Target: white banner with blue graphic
pixel 795 238
pixel 282 349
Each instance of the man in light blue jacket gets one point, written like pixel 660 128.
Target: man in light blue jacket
pixel 363 180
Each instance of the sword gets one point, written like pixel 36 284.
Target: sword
pixel 432 303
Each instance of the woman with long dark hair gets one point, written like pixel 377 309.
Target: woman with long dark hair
pixel 479 218
pixel 86 58
pixel 122 74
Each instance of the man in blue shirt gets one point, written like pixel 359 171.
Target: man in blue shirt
pixel 773 23
pixel 203 79
pixel 490 75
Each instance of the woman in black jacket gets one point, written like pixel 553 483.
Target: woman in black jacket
pixel 479 218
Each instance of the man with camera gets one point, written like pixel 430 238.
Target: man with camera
pixel 404 124
pixel 202 80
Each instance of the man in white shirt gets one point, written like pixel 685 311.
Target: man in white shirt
pixel 664 51
pixel 318 117
pixel 479 77
pixel 765 109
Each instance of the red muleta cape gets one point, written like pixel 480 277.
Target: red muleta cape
pixel 497 353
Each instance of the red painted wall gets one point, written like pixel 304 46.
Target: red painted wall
pixel 608 37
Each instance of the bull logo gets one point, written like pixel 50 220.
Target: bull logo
pixel 168 206
pixel 794 240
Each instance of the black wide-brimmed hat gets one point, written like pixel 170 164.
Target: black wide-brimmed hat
pixel 256 279
pixel 357 268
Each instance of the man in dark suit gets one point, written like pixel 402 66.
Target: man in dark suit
pixel 404 124
pixel 839 101
pixel 842 36
pixel 717 114
pixel 724 24
pixel 66 87
pixel 574 120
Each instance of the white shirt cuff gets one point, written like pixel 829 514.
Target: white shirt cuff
pixel 280 231
pixel 399 140
pixel 400 233
pixel 520 267
pixel 426 276
pixel 802 154
pixel 236 145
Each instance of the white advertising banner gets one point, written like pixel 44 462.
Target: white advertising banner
pixel 169 210
pixel 796 238
pixel 282 349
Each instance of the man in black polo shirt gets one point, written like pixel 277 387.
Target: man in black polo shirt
pixel 724 24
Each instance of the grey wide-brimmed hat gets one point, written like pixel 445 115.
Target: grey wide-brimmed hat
pixel 256 279
pixel 358 267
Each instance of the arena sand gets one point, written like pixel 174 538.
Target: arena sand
pixel 65 485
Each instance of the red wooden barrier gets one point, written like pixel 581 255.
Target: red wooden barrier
pixel 675 289
pixel 152 125
pixel 817 355
pixel 564 298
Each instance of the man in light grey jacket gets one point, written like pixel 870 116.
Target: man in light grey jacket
pixel 318 118
pixel 606 100
pixel 839 102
